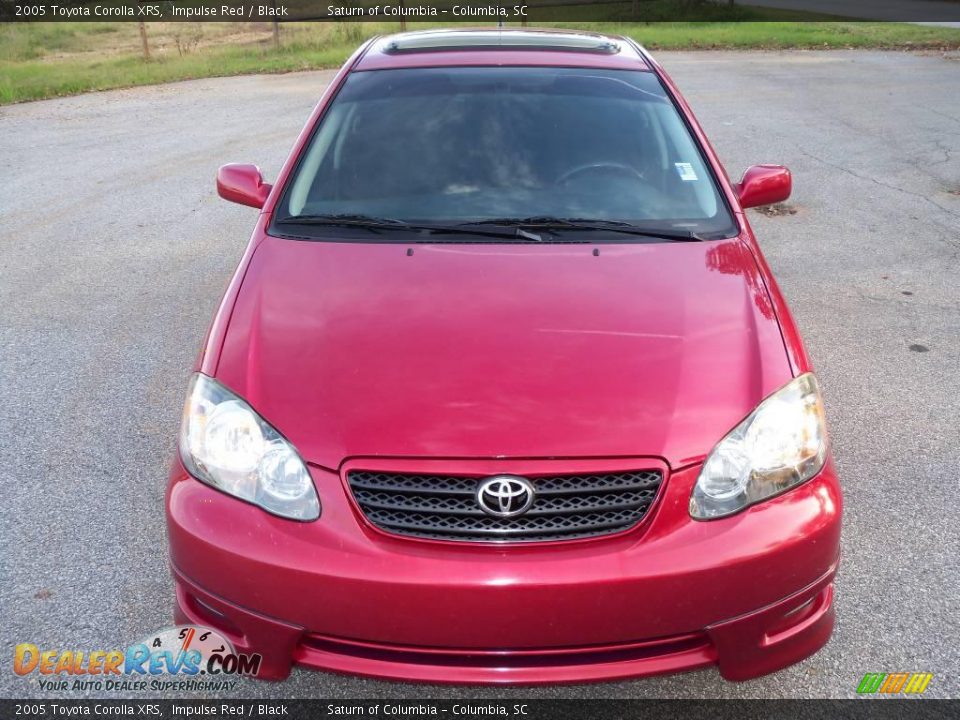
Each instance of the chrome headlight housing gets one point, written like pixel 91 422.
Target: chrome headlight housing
pixel 224 443
pixel 779 445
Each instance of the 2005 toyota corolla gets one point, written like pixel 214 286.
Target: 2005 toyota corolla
pixel 503 390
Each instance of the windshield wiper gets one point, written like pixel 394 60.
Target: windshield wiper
pixel 369 222
pixel 555 223
pixel 514 229
pixel 343 220
pixel 514 234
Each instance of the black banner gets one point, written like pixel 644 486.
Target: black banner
pixel 475 11
pixel 470 710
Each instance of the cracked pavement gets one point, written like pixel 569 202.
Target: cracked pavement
pixel 114 250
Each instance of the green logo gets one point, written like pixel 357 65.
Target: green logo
pixel 893 683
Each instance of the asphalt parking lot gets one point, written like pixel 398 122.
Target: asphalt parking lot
pixel 115 249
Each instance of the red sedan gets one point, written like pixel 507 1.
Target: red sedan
pixel 503 390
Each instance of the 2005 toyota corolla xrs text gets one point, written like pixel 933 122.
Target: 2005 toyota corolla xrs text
pixel 503 390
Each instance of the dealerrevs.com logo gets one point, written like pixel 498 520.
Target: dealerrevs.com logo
pixel 180 658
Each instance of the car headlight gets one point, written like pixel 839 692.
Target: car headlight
pixel 778 446
pixel 224 443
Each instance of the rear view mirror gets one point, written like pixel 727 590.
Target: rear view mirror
pixel 764 185
pixel 242 184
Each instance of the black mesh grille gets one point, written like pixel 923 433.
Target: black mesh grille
pixel 445 506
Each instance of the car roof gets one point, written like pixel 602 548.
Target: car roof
pixel 443 48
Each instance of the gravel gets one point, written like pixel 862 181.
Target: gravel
pixel 114 251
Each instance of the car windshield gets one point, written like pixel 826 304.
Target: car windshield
pixel 480 147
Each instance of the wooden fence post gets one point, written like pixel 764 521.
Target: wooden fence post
pixel 276 27
pixel 143 40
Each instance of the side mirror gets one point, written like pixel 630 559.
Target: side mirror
pixel 242 184
pixel 764 185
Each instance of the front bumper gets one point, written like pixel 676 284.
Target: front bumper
pixel 751 593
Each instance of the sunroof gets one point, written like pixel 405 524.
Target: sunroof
pixel 493 40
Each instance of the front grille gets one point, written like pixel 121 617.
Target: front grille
pixel 696 647
pixel 445 507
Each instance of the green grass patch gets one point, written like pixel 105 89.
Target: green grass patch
pixel 35 80
pixel 41 60
pixel 783 35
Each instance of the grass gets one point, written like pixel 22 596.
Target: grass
pixel 41 60
pixel 774 35
pixel 67 69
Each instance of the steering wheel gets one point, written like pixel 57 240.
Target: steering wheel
pixel 600 167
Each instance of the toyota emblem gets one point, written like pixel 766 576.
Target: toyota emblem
pixel 504 496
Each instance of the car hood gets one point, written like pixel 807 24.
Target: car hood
pixel 453 350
